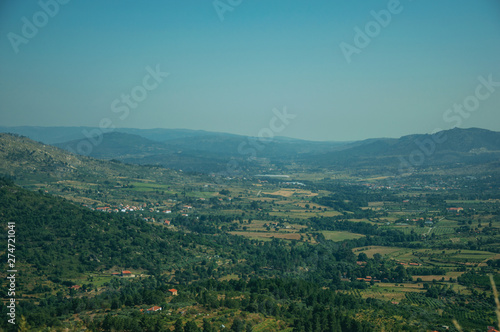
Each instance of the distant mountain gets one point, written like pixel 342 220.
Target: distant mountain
pixel 450 147
pixel 114 145
pixel 57 135
pixel 208 152
pixel 189 150
pixel 53 135
pixel 194 151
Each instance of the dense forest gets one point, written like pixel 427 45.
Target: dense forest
pixel 297 285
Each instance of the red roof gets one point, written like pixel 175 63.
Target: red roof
pixel 75 287
pixel 155 308
pixel 172 290
pixel 126 272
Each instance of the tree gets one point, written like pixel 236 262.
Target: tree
pixel 191 327
pixel 178 326
pixel 401 271
pixel 207 326
pixel 23 325
pixel 362 257
pixel 238 325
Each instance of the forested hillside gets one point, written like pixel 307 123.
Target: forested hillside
pixel 59 245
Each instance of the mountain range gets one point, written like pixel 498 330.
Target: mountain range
pixel 209 152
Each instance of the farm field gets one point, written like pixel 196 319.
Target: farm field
pixel 391 291
pixel 384 251
pixel 340 236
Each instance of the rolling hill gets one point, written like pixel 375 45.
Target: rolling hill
pixel 208 152
pixel 36 164
pixel 450 148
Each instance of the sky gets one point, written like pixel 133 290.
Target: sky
pixel 318 70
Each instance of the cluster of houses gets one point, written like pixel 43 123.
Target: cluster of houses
pixel 120 208
pixel 128 208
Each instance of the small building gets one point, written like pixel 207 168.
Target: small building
pixel 173 291
pixel 153 309
pixel 126 273
pixel 75 287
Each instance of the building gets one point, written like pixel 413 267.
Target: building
pixel 126 273
pixel 173 291
pixel 153 309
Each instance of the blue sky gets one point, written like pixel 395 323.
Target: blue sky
pixel 228 75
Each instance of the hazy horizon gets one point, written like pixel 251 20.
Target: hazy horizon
pixel 117 129
pixel 318 71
